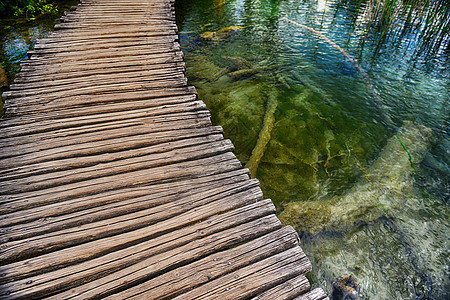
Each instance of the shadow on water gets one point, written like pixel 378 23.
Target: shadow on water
pixel 307 108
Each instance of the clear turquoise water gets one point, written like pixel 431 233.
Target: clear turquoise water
pixel 333 126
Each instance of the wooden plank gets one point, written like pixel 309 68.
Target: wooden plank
pixel 135 39
pixel 71 38
pixel 112 10
pixel 19 249
pixel 157 208
pixel 138 24
pixel 118 2
pixel 170 78
pixel 164 262
pixel 255 278
pixel 183 279
pixel 113 13
pixel 140 115
pixel 127 248
pixel 31 99
pixel 145 159
pixel 101 54
pixel 91 142
pixel 108 85
pixel 77 101
pixel 75 65
pixel 111 155
pixel 50 125
pixel 158 193
pixel 207 166
pixel 162 41
pixel 136 46
pixel 110 16
pixel 316 294
pixel 139 100
pixel 103 69
pixel 36 71
pixel 287 290
pixel 107 130
pixel 121 74
pixel 168 29
pixel 144 7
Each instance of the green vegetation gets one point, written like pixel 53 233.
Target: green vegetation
pixel 392 20
pixel 26 8
pixel 407 152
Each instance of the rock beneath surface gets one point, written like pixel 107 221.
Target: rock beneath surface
pixel 384 187
pixel 346 287
pixel 222 34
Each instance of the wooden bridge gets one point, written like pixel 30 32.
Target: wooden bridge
pixel 114 184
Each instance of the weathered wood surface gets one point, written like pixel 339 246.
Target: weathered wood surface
pixel 114 184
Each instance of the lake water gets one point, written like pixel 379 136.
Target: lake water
pixel 348 132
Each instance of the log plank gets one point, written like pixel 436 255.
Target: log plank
pixel 255 278
pixel 136 243
pixel 159 191
pixel 204 167
pixel 189 208
pixel 183 279
pixel 287 290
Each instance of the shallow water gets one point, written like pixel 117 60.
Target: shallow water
pixel 334 135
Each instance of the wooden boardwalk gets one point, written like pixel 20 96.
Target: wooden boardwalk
pixel 114 184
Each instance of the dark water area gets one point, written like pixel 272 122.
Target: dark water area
pixel 346 128
pixel 18 35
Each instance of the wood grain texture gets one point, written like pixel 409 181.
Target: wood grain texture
pixel 114 183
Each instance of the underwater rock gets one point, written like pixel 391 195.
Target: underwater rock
pixel 207 35
pixel 222 34
pixel 229 29
pixel 239 63
pixel 248 72
pixel 239 107
pixel 346 287
pixel 385 186
pixel 392 259
pixel 205 68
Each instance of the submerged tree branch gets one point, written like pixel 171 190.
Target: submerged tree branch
pixel 264 134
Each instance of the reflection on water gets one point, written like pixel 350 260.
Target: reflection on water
pixel 360 145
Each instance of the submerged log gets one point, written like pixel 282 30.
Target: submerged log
pixel 220 35
pixel 385 187
pixel 264 134
pixel 247 72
